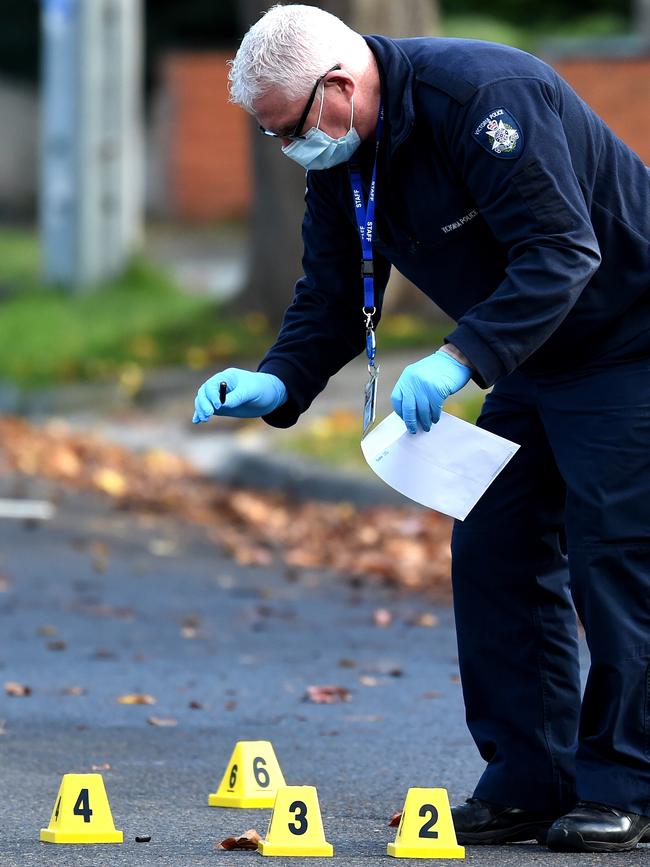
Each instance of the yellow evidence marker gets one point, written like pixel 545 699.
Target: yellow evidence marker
pixel 426 829
pixel 81 813
pixel 296 826
pixel 252 777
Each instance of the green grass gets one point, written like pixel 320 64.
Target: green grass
pixel 485 27
pixel 481 26
pixel 137 321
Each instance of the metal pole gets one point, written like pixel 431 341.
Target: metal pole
pixel 92 139
pixel 58 205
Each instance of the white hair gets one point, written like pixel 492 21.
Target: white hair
pixel 289 48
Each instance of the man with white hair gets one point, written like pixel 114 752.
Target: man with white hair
pixel 478 172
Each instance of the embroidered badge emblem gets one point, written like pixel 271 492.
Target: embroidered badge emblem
pixel 500 134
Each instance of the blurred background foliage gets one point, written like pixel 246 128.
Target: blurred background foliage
pixel 551 16
pixel 200 24
pixel 139 320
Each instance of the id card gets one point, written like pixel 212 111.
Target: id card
pixel 370 401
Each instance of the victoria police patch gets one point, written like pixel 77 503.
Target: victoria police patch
pixel 500 134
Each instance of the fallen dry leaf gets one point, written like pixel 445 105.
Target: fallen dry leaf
pixel 162 721
pixel 248 840
pixel 403 547
pixel 66 463
pixel 191 621
pixel 382 617
pixel 73 690
pixel 110 482
pixel 163 464
pixel 431 694
pixel 56 645
pixel 47 630
pixel 104 767
pixel 136 698
pixel 366 680
pixel 347 663
pixel 17 690
pixel 327 694
pixel 395 819
pixel 5 584
pixel 425 618
pixel 98 548
pixel 454 678
pixel 195 705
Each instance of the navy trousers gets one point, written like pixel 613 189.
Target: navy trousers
pixel 567 523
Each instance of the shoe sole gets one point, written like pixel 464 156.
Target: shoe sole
pixel 574 842
pixel 519 834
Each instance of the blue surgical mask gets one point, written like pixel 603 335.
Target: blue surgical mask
pixel 318 150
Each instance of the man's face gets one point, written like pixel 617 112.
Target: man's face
pixel 280 115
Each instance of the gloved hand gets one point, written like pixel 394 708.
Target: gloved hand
pixel 424 386
pixel 249 395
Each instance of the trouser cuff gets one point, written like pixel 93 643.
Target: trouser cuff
pixel 525 792
pixel 622 788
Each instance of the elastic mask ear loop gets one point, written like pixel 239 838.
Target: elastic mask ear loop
pixel 352 115
pixel 320 113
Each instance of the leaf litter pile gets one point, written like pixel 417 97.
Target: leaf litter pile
pixel 403 547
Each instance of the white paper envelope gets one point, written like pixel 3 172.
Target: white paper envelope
pixel 447 469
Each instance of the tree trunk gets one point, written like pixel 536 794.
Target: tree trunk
pixel 278 182
pixel 276 213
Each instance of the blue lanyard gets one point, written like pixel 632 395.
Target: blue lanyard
pixel 365 215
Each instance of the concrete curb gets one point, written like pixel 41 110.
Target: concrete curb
pixel 305 480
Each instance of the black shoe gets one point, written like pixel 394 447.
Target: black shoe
pixel 591 827
pixel 480 822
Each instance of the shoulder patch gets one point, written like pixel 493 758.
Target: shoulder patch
pixel 500 134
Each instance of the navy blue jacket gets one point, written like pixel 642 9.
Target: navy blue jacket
pixel 503 197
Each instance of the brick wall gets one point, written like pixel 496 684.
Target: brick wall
pixel 207 165
pixel 619 91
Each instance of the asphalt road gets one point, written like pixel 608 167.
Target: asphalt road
pixel 143 605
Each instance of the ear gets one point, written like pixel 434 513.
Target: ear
pixel 342 80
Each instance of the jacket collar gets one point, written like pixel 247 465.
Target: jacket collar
pixel 396 76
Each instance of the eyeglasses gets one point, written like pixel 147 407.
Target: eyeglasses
pixel 297 130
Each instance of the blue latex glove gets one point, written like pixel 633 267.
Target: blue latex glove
pixel 424 386
pixel 249 395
